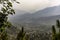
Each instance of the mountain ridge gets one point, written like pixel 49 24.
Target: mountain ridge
pixel 42 16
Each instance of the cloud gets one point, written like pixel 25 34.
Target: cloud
pixel 33 5
pixel 55 2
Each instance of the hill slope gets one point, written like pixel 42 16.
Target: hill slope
pixel 45 16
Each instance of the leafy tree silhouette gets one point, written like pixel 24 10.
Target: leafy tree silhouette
pixel 56 35
pixel 21 35
pixel 6 9
pixel 53 33
pixel 58 24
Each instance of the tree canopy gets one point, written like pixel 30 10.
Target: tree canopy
pixel 5 10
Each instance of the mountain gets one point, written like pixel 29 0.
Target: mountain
pixel 50 11
pixel 47 15
pixel 41 20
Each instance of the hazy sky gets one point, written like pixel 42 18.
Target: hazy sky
pixel 33 5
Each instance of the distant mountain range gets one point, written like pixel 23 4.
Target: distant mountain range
pixel 46 16
pixel 50 11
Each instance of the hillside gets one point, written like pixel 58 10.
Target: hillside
pixel 37 20
pixel 43 16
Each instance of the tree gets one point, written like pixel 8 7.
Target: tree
pixel 4 36
pixel 21 35
pixel 56 35
pixel 53 33
pixel 6 9
pixel 53 29
pixel 58 24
